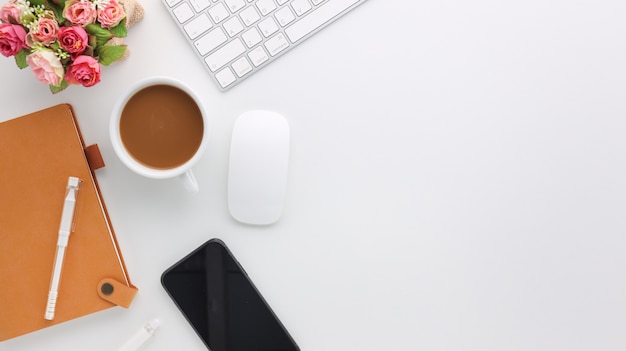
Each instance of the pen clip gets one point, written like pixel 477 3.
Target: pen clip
pixel 68 218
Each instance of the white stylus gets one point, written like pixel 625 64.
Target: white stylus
pixel 141 336
pixel 65 228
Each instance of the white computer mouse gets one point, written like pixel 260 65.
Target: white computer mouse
pixel 257 174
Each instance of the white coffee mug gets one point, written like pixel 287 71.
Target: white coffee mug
pixel 184 170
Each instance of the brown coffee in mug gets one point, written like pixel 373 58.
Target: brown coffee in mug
pixel 161 126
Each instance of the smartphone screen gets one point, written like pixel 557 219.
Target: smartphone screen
pixel 222 304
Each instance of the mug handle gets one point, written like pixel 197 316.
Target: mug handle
pixel 190 182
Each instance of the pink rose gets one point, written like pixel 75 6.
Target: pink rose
pixel 73 40
pixel 46 66
pixel 45 31
pixel 12 39
pixel 10 12
pixel 84 70
pixel 111 14
pixel 79 12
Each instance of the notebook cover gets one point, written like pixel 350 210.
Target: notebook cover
pixel 38 152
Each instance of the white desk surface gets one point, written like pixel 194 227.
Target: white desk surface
pixel 457 180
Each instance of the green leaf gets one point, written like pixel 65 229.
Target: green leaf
pixel 120 30
pixel 20 58
pixel 55 89
pixel 37 2
pixel 91 41
pixel 110 53
pixel 102 35
pixel 58 12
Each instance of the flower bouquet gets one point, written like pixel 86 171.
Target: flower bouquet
pixel 64 41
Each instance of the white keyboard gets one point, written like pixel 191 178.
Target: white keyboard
pixel 235 38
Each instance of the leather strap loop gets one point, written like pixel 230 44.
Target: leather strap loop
pixel 117 293
pixel 94 157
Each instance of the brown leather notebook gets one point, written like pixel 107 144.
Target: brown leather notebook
pixel 38 153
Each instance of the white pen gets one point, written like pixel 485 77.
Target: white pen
pixel 141 336
pixel 65 228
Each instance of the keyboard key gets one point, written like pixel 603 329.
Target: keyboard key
pixel 197 26
pixel 225 77
pixel 251 37
pixel 265 6
pixel 183 13
pixel 268 26
pixel 317 18
pixel 200 5
pixel 210 41
pixel 276 44
pixel 282 2
pixel 218 13
pixel 225 54
pixel 235 5
pixel 171 3
pixel 249 16
pixel 317 2
pixel 242 66
pixel 284 16
pixel 300 6
pixel 258 56
pixel 233 26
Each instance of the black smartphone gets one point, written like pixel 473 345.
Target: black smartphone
pixel 222 304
